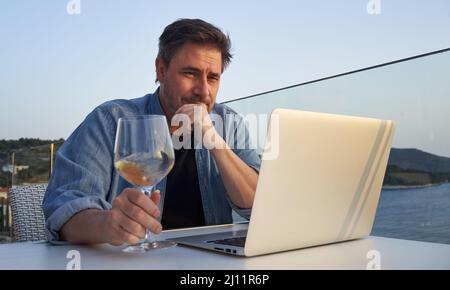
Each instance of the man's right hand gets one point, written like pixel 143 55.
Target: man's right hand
pixel 132 212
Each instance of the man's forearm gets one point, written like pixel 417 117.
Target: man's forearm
pixel 239 179
pixel 86 227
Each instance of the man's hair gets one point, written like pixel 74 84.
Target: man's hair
pixel 195 31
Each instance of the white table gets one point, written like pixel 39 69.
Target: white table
pixel 393 254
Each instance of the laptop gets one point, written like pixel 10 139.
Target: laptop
pixel 322 186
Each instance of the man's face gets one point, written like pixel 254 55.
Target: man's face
pixel 193 76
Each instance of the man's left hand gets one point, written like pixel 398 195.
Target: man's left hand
pixel 199 118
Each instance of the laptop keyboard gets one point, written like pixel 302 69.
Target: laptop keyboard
pixel 237 242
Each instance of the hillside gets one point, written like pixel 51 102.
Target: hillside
pixel 413 167
pixel 419 160
pixel 33 158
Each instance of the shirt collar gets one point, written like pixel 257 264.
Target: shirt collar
pixel 154 106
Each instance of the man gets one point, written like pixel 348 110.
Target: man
pixel 88 202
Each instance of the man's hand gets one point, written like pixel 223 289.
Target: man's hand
pixel 198 116
pixel 132 212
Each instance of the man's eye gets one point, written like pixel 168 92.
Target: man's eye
pixel 189 73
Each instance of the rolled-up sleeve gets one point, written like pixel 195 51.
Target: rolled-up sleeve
pixel 81 177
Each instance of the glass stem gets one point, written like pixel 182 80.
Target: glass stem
pixel 149 237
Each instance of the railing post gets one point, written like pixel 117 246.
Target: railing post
pixel 9 216
pixel 52 151
pixel 13 174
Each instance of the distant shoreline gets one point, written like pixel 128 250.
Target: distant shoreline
pixel 399 187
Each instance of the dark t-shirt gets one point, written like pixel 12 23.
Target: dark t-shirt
pixel 183 204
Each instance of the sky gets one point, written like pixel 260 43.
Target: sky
pixel 56 66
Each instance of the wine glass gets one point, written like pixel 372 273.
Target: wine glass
pixel 144 155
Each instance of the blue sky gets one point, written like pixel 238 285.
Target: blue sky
pixel 55 67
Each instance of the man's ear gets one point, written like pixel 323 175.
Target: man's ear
pixel 160 69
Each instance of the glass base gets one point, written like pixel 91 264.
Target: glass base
pixel 148 246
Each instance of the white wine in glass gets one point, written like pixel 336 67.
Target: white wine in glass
pixel 143 155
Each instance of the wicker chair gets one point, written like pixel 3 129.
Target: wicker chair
pixel 27 215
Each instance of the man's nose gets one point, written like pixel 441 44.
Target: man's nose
pixel 201 89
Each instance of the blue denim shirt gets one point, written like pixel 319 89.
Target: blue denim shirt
pixel 84 176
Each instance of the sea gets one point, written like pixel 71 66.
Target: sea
pixel 420 214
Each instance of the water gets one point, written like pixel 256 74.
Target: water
pixel 421 214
